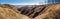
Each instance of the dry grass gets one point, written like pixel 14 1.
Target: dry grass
pixel 10 13
pixel 51 12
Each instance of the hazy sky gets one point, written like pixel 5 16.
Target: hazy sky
pixel 23 2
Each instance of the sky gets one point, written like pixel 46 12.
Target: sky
pixel 54 1
pixel 23 2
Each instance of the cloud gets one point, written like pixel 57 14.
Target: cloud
pixel 31 2
pixel 25 4
pixel 36 2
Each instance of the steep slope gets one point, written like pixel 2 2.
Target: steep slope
pixel 33 11
pixel 52 11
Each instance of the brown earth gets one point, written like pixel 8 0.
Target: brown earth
pixel 33 11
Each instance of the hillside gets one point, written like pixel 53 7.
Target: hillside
pixel 32 11
pixel 10 12
pixel 52 11
pixel 48 11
